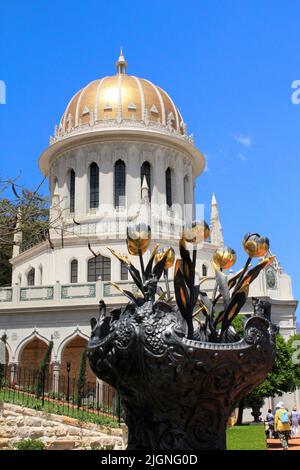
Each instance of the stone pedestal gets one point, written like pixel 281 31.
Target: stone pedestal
pixel 56 375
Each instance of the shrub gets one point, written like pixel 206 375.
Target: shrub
pixel 29 444
pixel 43 369
pixel 82 379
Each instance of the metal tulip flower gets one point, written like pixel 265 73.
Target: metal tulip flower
pixel 224 258
pixel 169 256
pixel 233 291
pixel 180 375
pixel 196 232
pixel 229 294
pixel 255 245
pixel 138 241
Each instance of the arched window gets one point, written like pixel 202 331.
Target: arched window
pixel 55 187
pixel 120 184
pixel 99 267
pixel 204 270
pixel 94 186
pixel 169 187
pixel 30 277
pixel 146 172
pixel 124 273
pixel 41 275
pixel 72 190
pixel 74 271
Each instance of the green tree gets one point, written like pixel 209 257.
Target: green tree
pixel 81 379
pixel 294 344
pixel 5 266
pixel 280 379
pixel 24 215
pixel 43 370
pixel 3 339
pixel 237 324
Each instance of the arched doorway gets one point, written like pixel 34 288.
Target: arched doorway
pixel 32 354
pixel 27 375
pixel 72 353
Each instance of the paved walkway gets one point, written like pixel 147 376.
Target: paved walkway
pixel 274 444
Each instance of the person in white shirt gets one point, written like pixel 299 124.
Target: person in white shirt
pixel 295 416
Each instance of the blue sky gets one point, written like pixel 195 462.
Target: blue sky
pixel 228 65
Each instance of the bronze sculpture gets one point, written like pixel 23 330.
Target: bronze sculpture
pixel 179 376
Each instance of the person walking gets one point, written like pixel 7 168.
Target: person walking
pixel 295 416
pixel 282 425
pixel 269 424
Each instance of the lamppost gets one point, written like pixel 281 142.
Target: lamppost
pixel 68 385
pixel 43 381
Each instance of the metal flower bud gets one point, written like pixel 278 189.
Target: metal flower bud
pixel 170 256
pixel 196 232
pixel 255 246
pixel 138 239
pixel 224 257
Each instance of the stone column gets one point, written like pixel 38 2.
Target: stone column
pixel 159 180
pixel 59 197
pixel 55 377
pixel 13 373
pixel 193 188
pixel 106 180
pixel 99 392
pixel 57 291
pixel 158 201
pixel 189 192
pixel 81 185
pixel 63 183
pixel 133 183
pixel 16 293
pixel 178 187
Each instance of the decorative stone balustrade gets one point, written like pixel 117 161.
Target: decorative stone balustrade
pixel 36 293
pixel 6 294
pixel 77 293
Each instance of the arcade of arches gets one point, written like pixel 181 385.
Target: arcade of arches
pixel 34 352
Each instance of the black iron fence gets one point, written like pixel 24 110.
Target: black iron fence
pixel 95 401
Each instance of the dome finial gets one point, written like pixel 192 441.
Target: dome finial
pixel 121 64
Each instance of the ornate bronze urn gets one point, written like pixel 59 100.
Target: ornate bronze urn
pixel 180 367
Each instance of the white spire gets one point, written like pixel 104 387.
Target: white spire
pixel 216 235
pixel 55 190
pixel 144 212
pixel 145 190
pixel 121 64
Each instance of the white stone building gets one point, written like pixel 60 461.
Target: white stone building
pixel 120 153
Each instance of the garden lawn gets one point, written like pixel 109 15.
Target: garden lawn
pixel 250 437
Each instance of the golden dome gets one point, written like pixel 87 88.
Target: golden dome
pixel 121 98
pixel 121 106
